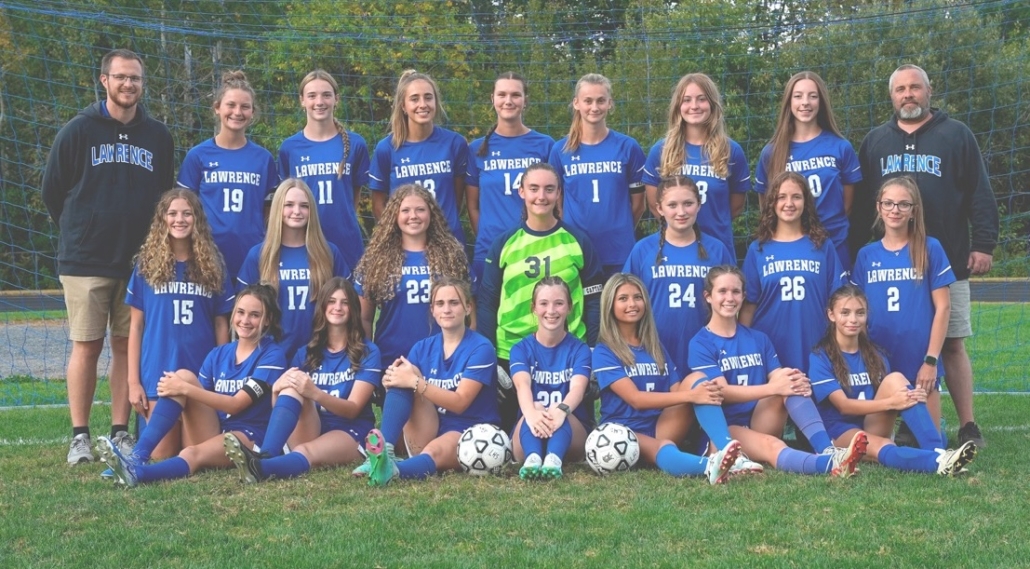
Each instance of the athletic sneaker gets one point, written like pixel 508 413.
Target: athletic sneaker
pixel 952 462
pixel 80 450
pixel 503 379
pixel 846 459
pixel 383 466
pixel 531 468
pixel 970 432
pixel 125 442
pixel 721 461
pixel 247 462
pixel 363 469
pixel 123 466
pixel 552 467
pixel 744 465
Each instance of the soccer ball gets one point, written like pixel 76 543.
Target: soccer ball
pixel 484 449
pixel 612 447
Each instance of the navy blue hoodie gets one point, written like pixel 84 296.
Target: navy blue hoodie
pixel 102 181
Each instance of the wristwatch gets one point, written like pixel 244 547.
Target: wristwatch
pixel 930 361
pixel 565 408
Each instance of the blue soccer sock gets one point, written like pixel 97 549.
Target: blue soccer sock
pixel 164 416
pixel 420 466
pixel 283 420
pixel 806 417
pixel 713 422
pixel 560 440
pixel 288 465
pixel 677 463
pixel 531 444
pixel 396 410
pixel 175 467
pixel 910 459
pixel 790 460
pixel 918 419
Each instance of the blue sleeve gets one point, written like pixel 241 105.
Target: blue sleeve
pixel 207 370
pixel 227 298
pixel 850 168
pixel 555 160
pixel 772 359
pixel 270 365
pixel 858 277
pixel 760 169
pixel 837 276
pixel 581 364
pixel 460 151
pixel 636 163
pixel 652 164
pixel 701 357
pixel 472 170
pixel 379 167
pixel 820 372
pixel 340 267
pixel 249 271
pixel 740 174
pixel 284 162
pixel 941 274
pixel 482 364
pixel 135 289
pixel 190 172
pixel 271 176
pixel 675 376
pixel 359 162
pixel 299 357
pixel 371 368
pixel 518 357
pixel 607 366
pixel 752 279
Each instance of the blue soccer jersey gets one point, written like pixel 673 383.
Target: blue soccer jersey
pixel 498 176
pixel 790 282
pixel 179 323
pixel 436 163
pixel 901 307
pixel 676 287
pixel 644 373
pixel 597 180
pixel 335 376
pixel 220 373
pixel 318 164
pixel 715 216
pixel 295 298
pixel 744 359
pixel 828 162
pixel 824 383
pixel 404 319
pixel 472 360
pixel 232 185
pixel 551 369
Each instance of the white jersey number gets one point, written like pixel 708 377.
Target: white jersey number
pixel 702 188
pixel 298 297
pixel 816 185
pixel 325 192
pixel 233 200
pixel 792 288
pixel 677 296
pixel 429 185
pixel 509 185
pixel 893 299
pixel 183 312
pixel 418 291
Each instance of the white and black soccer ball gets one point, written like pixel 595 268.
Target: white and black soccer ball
pixel 612 447
pixel 484 449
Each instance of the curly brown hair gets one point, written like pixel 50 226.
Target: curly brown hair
pixel 155 260
pixel 379 270
pixel 767 220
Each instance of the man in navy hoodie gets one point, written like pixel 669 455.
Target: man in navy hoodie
pixel 105 172
pixel 942 156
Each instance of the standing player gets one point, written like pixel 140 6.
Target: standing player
pixel 332 161
pixel 453 373
pixel 641 388
pixel 417 151
pixel 758 394
pixel 807 141
pixel 179 296
pixel 792 268
pixel 323 403
pixel 550 369
pixel 599 170
pixel 231 174
pixel 231 394
pixel 495 167
pixel 858 392
pixel 696 146
pixel 673 263
pixel 542 246
pixel 906 275
pixel 105 172
pixel 295 259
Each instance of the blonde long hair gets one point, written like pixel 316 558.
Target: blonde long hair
pixel 576 129
pixel 398 120
pixel 717 142
pixel 320 257
pixel 785 125
pixel 155 260
pixel 646 328
pixel 916 225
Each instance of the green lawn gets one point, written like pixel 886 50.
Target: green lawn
pixel 58 516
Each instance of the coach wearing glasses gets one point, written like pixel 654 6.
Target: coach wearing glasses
pixel 103 177
pixel 942 156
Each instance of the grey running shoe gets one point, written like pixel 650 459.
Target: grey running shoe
pixel 80 450
pixel 125 442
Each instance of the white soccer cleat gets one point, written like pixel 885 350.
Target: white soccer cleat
pixel 721 461
pixel 952 462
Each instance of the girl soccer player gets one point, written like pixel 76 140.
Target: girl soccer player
pixel 417 151
pixel 550 369
pixel 295 259
pixel 332 161
pixel 696 146
pixel 857 390
pixel 906 275
pixel 807 141
pixel 179 297
pixel 323 403
pixel 758 394
pixel 673 263
pixel 452 373
pixel 542 246
pixel 792 268
pixel 231 393
pixel 495 167
pixel 599 170
pixel 641 387
pixel 231 174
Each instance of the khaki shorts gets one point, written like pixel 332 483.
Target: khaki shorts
pixel 94 304
pixel 960 322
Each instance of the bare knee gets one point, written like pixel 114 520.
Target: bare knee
pixel 89 350
pixel 953 347
pixel 119 344
pixel 188 376
pixel 893 383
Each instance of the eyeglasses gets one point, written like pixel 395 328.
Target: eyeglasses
pixel 134 79
pixel 903 207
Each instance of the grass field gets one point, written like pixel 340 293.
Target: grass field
pixel 57 516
